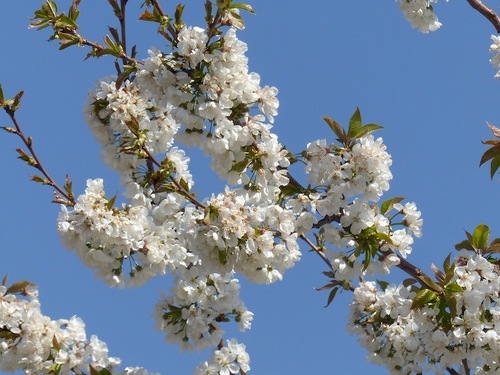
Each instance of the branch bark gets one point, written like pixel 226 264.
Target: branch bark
pixel 488 13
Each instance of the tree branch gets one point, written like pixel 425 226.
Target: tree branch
pixel 69 199
pixel 488 13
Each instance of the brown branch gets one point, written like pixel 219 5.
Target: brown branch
pixel 123 26
pixel 409 268
pixel 321 255
pixel 327 220
pixel 70 200
pixel 488 13
pixel 158 8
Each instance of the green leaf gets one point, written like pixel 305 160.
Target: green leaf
pixel 451 302
pixel 437 272
pixel 93 371
pixel 53 7
pixel 222 256
pixel 495 164
pixel 447 264
pixel 423 297
pixel 208 11
pixel 148 16
pixel 383 284
pixel 179 10
pixel 480 237
pixel 7 335
pixel 40 180
pixel 331 296
pixel 489 154
pixel 17 101
pixel 431 284
pixel 246 7
pixel 25 157
pixel 383 237
pixel 238 21
pixel 327 286
pixel 183 183
pixel 389 204
pixel 19 287
pixel 408 282
pixel 355 123
pixel 337 129
pixel 290 190
pixel 55 343
pixel 2 98
pixel 368 128
pixel 465 244
pixel 493 248
pixel 454 288
pixel 240 166
pixel 73 11
pixel 127 71
pixel 111 202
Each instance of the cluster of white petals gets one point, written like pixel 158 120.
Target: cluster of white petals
pixel 198 303
pixel 230 359
pixel 350 181
pixel 432 338
pixel 495 48
pixel 32 342
pixel 200 96
pixel 420 14
pixel 257 241
pixel 108 239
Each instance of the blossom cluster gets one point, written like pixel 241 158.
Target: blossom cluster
pixel 32 342
pixel 107 238
pixel 495 48
pixel 349 182
pixel 198 303
pixel 257 241
pixel 420 14
pixel 230 359
pixel 445 333
pixel 201 94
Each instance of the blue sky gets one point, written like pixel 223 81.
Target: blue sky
pixel 432 93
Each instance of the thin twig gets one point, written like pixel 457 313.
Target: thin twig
pixel 123 25
pixel 38 165
pixel 488 13
pixel 160 11
pixel 158 8
pixel 317 251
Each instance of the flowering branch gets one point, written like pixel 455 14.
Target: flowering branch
pixel 201 94
pixel 63 195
